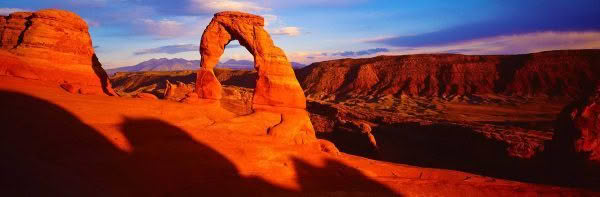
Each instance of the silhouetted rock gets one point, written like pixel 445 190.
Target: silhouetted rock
pixel 579 127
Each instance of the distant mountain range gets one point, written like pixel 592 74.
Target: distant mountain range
pixel 164 64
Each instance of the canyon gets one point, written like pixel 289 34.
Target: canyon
pixel 476 131
pixel 512 126
pixel 413 125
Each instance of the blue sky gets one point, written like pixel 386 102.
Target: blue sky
pixel 126 32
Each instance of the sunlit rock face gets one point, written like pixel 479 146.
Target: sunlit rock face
pixel 562 73
pixel 52 45
pixel 278 96
pixel 276 84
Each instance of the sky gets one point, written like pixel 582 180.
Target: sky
pixel 126 32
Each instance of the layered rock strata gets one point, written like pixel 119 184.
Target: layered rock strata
pixel 578 128
pixel 276 84
pixel 52 45
pixel 564 73
pixel 277 96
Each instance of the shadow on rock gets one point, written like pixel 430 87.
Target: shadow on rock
pixel 454 147
pixel 47 151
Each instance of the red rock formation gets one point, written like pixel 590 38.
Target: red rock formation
pixel 190 98
pixel 2 26
pixel 208 87
pixel 328 147
pixel 16 24
pixel 553 73
pixel 169 90
pixel 276 84
pixel 54 45
pixel 277 89
pixel 579 127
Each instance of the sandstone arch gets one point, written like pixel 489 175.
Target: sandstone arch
pixel 278 102
pixel 276 84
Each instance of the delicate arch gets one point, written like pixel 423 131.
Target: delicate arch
pixel 276 84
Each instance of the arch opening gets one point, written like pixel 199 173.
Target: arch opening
pixel 235 71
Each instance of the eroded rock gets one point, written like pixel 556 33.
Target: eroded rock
pixel 295 127
pixel 190 98
pixel 328 147
pixel 73 89
pixel 52 45
pixel 169 90
pixel 209 87
pixel 276 84
pixel 579 128
pixel 277 90
pixel 552 73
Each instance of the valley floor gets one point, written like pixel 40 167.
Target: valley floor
pixel 58 144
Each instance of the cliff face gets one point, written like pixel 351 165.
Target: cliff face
pixel 553 73
pixel 52 45
pixel 578 128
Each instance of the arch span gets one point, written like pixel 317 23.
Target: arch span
pixel 276 84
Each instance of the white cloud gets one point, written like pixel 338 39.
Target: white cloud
pixel 510 44
pixel 269 19
pixel 289 31
pixel 92 23
pixel 307 57
pixel 169 49
pixel 275 26
pixel 322 3
pixel 162 28
pixel 514 44
pixel 373 39
pixel 173 27
pixel 223 5
pixel 7 11
pixel 241 56
pixel 92 3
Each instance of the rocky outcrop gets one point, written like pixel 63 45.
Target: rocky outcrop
pixel 207 85
pixel 2 25
pixel 52 45
pixel 277 90
pixel 578 128
pixel 276 84
pixel 554 73
pixel 169 90
pixel 15 25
